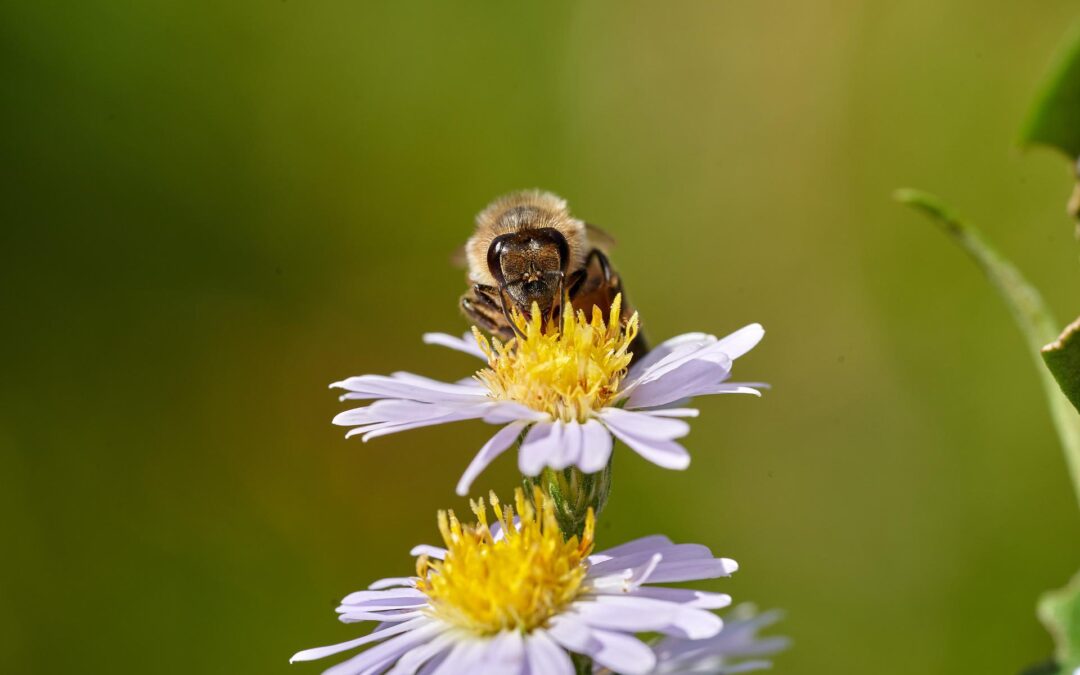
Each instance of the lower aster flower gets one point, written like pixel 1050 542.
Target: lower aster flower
pixel 736 649
pixel 568 388
pixel 515 598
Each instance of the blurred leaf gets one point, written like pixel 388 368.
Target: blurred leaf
pixel 1028 309
pixel 1055 119
pixel 1062 357
pixel 1060 612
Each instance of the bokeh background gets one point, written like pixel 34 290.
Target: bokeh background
pixel 212 210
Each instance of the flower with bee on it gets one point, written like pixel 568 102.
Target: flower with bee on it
pixel 517 597
pixel 566 389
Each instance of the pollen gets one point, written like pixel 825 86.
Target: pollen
pixel 514 582
pixel 569 369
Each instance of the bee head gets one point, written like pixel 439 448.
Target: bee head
pixel 530 266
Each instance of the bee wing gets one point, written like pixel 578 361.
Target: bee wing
pixel 599 238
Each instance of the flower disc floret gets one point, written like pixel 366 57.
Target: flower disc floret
pixel 568 369
pixel 516 581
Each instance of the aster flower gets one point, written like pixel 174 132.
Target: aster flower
pixel 569 388
pixel 515 598
pixel 735 649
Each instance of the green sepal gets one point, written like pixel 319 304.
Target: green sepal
pixel 1062 358
pixel 1060 612
pixel 1055 118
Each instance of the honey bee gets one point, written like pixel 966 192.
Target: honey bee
pixel 528 249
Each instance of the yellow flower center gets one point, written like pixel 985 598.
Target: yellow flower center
pixel 516 583
pixel 568 370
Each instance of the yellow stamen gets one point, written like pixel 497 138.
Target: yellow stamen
pixel 568 371
pixel 516 583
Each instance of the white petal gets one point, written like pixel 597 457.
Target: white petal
pixel 687 343
pixel 650 544
pixel 692 378
pixel 387 652
pixel 545 657
pixel 410 387
pixel 505 654
pixel 596 447
pixel 466 343
pixel 416 658
pixel 392 581
pixel 570 442
pixel 687 597
pixel 467 656
pixel 692 570
pixel 495 446
pixel 622 653
pixel 320 652
pixel 572 633
pixel 742 340
pixel 636 614
pixel 540 447
pixel 645 425
pixel 371 595
pixel 436 552
pixel 667 454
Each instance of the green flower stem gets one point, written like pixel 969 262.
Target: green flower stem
pixel 1028 309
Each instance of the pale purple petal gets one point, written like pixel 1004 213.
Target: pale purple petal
pixel 649 543
pixel 665 453
pixel 505 654
pixel 540 447
pixel 737 640
pixel 321 652
pixel 687 597
pixel 741 341
pixel 692 570
pixel 436 552
pixel 495 446
pixel 685 343
pixel 410 387
pixel 347 615
pixel 467 656
pixel 418 657
pixel 692 378
pixel 392 581
pixel 635 614
pixel 545 657
pixel 372 595
pixel 596 447
pixel 572 633
pixel 735 388
pixel 570 442
pixel 670 553
pixel 673 412
pixel 466 343
pixel 624 579
pixel 387 652
pixel 621 653
pixel 644 424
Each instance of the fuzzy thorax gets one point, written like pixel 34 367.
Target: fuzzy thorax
pixel 516 582
pixel 569 370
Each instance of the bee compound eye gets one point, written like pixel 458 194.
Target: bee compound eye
pixel 494 258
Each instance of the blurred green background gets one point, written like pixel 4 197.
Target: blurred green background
pixel 212 210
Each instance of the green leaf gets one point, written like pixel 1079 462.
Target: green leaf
pixel 1055 119
pixel 1060 612
pixel 1028 310
pixel 1062 357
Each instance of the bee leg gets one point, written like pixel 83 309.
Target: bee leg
pixel 480 315
pixel 486 294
